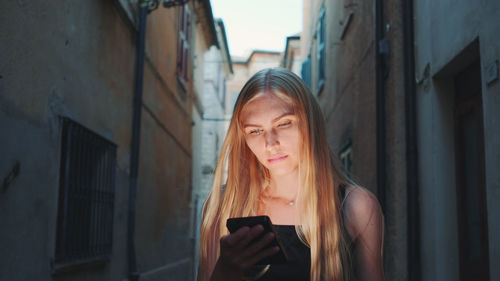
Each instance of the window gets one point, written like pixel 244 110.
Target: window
pixel 223 98
pixel 321 55
pixel 183 44
pixel 306 72
pixel 346 158
pixel 86 195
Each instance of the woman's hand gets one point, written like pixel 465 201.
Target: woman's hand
pixel 238 253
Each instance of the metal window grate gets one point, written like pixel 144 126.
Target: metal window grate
pixel 86 195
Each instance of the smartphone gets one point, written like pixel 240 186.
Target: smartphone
pixel 233 224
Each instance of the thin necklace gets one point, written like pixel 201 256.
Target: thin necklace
pixel 286 201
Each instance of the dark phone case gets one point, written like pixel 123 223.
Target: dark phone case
pixel 233 224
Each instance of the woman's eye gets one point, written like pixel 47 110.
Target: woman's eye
pixel 285 124
pixel 255 132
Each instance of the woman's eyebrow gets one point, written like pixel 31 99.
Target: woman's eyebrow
pixel 274 120
pixel 282 115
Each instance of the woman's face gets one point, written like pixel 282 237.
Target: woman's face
pixel 272 133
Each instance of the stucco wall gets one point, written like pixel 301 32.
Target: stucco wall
pixel 439 39
pixel 348 101
pixel 56 61
pixel 78 60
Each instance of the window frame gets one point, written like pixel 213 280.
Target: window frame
pixel 183 45
pixel 86 196
pixel 306 71
pixel 321 50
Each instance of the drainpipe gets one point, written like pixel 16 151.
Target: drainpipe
pixel 411 145
pixel 135 143
pixel 380 70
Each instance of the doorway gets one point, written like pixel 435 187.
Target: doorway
pixel 470 175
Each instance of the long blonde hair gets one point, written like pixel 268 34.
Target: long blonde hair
pixel 321 225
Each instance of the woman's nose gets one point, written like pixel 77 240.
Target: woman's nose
pixel 272 141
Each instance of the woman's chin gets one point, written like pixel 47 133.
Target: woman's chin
pixel 282 171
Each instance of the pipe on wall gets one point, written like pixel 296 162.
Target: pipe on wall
pixel 135 143
pixel 413 207
pixel 380 69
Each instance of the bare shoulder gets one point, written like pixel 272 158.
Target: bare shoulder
pixel 359 200
pixel 362 211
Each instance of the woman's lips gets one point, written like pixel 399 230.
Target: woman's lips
pixel 277 159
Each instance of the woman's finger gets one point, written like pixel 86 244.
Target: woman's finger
pixel 252 234
pixel 262 254
pixel 234 239
pixel 239 248
pixel 257 246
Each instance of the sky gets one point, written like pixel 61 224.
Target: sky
pixel 258 24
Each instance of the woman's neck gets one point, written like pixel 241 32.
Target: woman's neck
pixel 284 186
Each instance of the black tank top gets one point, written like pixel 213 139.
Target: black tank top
pixel 298 266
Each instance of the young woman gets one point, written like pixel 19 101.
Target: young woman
pixel 279 164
